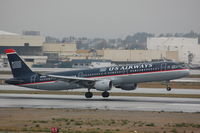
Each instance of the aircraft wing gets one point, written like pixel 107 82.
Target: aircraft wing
pixel 73 79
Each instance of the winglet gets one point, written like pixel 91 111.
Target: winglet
pixel 9 51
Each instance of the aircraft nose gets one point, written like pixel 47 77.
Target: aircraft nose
pixel 187 72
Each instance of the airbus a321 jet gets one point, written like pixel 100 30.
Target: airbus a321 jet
pixel 102 79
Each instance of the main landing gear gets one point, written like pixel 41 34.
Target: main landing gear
pixel 105 94
pixel 89 94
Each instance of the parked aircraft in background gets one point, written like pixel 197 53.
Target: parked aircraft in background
pixel 102 79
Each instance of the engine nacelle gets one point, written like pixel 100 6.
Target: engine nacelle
pixel 103 85
pixel 127 87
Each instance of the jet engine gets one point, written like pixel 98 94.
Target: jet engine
pixel 127 87
pixel 103 85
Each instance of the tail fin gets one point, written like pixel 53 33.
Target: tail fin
pixel 18 67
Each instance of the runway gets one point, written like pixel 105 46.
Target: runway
pixel 111 103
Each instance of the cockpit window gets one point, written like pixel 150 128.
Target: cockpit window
pixel 179 66
pixel 182 65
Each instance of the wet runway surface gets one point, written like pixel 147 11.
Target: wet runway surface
pixel 97 102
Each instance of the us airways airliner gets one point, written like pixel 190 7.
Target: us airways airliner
pixel 102 79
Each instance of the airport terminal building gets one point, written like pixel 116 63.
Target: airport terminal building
pixel 34 50
pixel 24 44
pixel 29 45
pixel 188 48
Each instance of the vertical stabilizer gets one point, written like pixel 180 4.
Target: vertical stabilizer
pixel 18 67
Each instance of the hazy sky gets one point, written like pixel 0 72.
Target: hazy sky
pixel 99 18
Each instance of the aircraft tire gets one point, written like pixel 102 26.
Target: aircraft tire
pixel 105 94
pixel 169 88
pixel 88 94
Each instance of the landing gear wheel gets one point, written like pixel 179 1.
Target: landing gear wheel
pixel 169 88
pixel 105 94
pixel 88 94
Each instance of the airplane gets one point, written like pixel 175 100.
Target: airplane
pixel 102 79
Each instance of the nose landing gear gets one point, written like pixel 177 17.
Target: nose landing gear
pixel 166 83
pixel 168 88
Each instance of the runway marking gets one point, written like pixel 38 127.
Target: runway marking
pixel 147 107
pixel 184 104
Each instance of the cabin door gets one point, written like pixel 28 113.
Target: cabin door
pixel 163 66
pixel 33 80
pixel 80 74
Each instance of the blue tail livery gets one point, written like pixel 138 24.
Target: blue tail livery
pixel 18 67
